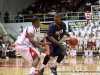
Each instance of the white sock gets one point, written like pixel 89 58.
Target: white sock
pixel 32 70
pixel 43 66
pixel 55 63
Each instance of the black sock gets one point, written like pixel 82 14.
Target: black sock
pixel 60 58
pixel 46 59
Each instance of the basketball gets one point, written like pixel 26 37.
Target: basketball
pixel 73 41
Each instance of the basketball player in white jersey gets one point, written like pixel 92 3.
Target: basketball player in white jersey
pixel 90 52
pixel 74 52
pixel 25 46
pixel 85 45
pixel 80 42
pixel 98 44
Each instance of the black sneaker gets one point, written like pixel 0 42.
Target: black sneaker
pixel 53 70
pixel 41 71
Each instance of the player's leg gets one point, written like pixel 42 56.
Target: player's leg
pixel 46 58
pixel 29 54
pixel 60 52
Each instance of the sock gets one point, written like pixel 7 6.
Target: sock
pixel 43 66
pixel 32 70
pixel 60 58
pixel 55 63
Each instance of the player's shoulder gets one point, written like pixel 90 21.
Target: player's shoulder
pixel 30 28
pixel 52 25
pixel 63 22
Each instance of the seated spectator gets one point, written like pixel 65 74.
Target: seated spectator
pixel 17 19
pixel 24 11
pixel 21 17
pixel 4 51
pixel 41 7
pixel 52 13
pixel 30 12
pixel 8 42
pixel 54 6
pixel 63 10
pixel 10 51
pixel 46 7
pixel 88 4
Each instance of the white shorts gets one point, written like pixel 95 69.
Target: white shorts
pixel 27 52
pixel 97 45
pixel 86 52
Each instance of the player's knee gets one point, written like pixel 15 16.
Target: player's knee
pixel 37 57
pixel 63 53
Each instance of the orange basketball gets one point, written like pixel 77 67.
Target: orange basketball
pixel 73 41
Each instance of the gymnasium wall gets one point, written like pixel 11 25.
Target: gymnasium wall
pixel 13 28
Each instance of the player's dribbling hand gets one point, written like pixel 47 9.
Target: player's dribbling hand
pixel 43 49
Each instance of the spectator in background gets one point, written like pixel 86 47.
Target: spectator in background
pixel 52 13
pixel 6 18
pixel 63 10
pixel 21 16
pixel 34 8
pixel 6 14
pixel 21 29
pixel 1 37
pixel 17 18
pixel 8 42
pixel 88 4
pixel 24 11
pixel 46 7
pixel 30 12
pixel 54 6
pixel 41 7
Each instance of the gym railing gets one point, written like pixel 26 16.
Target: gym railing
pixel 45 17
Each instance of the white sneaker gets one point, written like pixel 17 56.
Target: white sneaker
pixel 7 58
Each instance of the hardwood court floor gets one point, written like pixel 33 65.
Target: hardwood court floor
pixel 69 66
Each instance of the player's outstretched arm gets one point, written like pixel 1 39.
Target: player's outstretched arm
pixel 43 44
pixel 34 43
pixel 67 34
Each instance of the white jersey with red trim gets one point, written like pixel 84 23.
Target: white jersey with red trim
pixel 23 38
pixel 86 40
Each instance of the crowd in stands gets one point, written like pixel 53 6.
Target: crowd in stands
pixel 47 9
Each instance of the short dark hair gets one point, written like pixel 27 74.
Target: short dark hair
pixel 58 14
pixel 35 18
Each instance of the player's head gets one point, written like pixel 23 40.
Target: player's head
pixel 36 22
pixel 57 18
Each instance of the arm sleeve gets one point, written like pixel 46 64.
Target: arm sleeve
pixel 50 30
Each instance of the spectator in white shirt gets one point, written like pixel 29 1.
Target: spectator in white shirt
pixel 21 29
